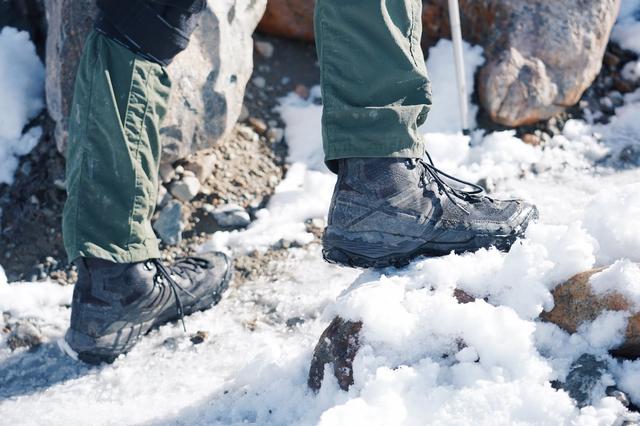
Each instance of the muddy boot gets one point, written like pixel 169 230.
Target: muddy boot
pixel 115 304
pixel 387 211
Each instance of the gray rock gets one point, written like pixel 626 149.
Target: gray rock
pixel 167 172
pixel 186 188
pixel 265 48
pixel 275 134
pixel 209 77
pixel 337 346
pixel 24 335
pixel 259 82
pixel 163 197
pixel 584 376
pixel 169 224
pixel 541 56
pixel 201 165
pixel 231 216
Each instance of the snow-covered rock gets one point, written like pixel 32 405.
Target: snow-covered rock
pixel 596 296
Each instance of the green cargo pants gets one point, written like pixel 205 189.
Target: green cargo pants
pixel 375 92
pixel 375 88
pixel 113 154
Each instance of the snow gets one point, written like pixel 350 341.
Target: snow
pixel 622 277
pixel 445 116
pixel 425 359
pixel 631 71
pixel 22 88
pixel 626 32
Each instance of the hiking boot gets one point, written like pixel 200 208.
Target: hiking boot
pixel 115 304
pixel 387 211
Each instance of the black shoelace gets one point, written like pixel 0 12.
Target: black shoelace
pixel 164 272
pixel 429 169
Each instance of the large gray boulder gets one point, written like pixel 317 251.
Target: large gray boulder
pixel 209 77
pixel 543 60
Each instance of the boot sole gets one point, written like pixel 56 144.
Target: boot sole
pixel 338 247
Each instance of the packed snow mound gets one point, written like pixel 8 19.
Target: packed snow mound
pixel 22 88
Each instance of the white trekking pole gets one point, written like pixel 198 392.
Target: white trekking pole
pixel 456 35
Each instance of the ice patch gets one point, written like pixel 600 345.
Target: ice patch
pixel 22 88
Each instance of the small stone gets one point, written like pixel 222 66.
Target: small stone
pixel 294 322
pixel 24 335
pixel 202 165
pixel 622 85
pixel 616 98
pixel 244 114
pixel 167 172
pixel 275 135
pixel 186 188
pixel 170 343
pixel 317 222
pixel 231 216
pixel 531 139
pixel 259 82
pixel 302 91
pixel 611 60
pixel 169 225
pixel 163 197
pixel 606 104
pixel 264 48
pixel 274 181
pixel 60 184
pixel 199 337
pixel 179 170
pixel 619 395
pixel 584 375
pixel 246 132
pixel 258 125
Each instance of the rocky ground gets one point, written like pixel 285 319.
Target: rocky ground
pixel 220 188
